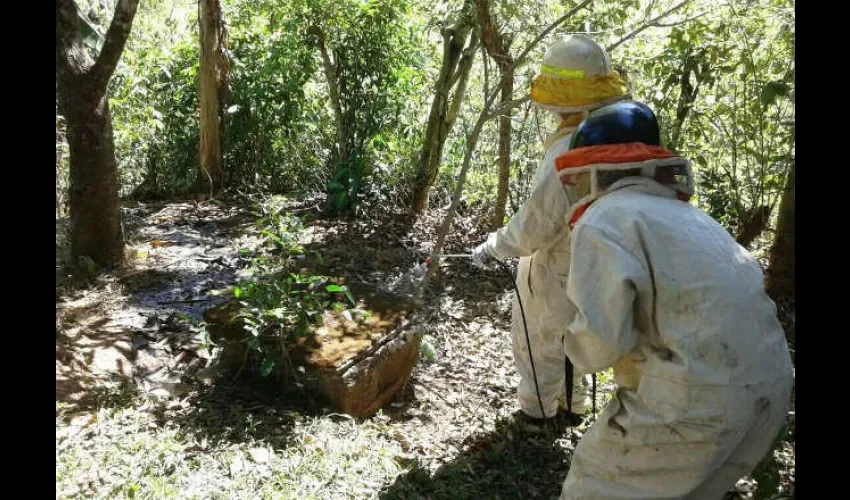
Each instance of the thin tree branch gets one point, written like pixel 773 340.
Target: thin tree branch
pixel 681 22
pixel 472 138
pixel 464 68
pixel 485 61
pixel 505 107
pixel 518 61
pixel 648 24
pixel 116 38
pixel 471 142
pixel 468 55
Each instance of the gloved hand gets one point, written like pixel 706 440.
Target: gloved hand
pixel 482 258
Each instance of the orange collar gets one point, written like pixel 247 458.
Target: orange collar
pixel 631 152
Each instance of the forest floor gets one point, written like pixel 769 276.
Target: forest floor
pixel 138 416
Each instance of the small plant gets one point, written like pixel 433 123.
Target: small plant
pixel 280 228
pixel 276 307
pixel 345 185
pixel 280 308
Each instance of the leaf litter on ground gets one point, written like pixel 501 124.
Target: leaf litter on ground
pixel 446 434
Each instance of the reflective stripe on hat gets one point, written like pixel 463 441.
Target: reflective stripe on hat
pixel 561 72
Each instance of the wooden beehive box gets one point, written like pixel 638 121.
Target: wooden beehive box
pixel 357 359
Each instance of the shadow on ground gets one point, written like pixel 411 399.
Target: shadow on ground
pixel 248 409
pixel 513 461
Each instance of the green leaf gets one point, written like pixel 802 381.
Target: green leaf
pixel 341 201
pixel 427 350
pixel 273 237
pixel 334 288
pixel 237 292
pixel 772 90
pixel 89 32
pixel 278 312
pixel 348 295
pixel 266 367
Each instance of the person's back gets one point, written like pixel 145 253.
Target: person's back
pixel 704 309
pixel 667 298
pixel 576 77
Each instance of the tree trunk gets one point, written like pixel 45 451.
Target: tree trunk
pixel 60 139
pixel 691 65
pixel 754 223
pixel 336 103
pixel 505 125
pixel 780 271
pixel 93 192
pixel 453 71
pixel 211 174
pixel 81 86
pixel 498 48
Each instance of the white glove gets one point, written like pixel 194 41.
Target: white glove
pixel 482 258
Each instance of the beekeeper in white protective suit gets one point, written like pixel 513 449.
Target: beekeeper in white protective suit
pixel 575 77
pixel 668 298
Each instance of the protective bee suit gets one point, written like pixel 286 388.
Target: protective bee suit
pixel 667 297
pixel 543 242
pixel 575 77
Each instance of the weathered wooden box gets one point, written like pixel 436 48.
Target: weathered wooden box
pixel 358 362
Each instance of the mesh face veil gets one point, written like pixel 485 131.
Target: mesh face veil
pixel 587 173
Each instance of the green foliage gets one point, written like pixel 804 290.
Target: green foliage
pixel 723 87
pixel 371 51
pixel 280 307
pixel 427 350
pixel 344 186
pixel 276 305
pixel 280 228
pixel 90 33
pixel 155 101
pixel 277 130
pixel 720 77
pixel 269 139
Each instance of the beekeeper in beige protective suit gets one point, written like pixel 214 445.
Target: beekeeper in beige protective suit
pixel 575 77
pixel 668 298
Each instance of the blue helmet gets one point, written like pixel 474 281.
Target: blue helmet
pixel 622 122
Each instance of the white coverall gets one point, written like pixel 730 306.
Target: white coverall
pixel 538 234
pixel 660 281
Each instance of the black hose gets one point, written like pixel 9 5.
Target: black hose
pixel 594 394
pixel 527 339
pixel 568 366
pixel 568 379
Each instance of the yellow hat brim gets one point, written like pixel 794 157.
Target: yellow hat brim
pixel 576 94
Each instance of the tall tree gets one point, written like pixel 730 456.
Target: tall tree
pixel 363 49
pixel 780 271
pixel 498 48
pixel 211 174
pixel 458 56
pixel 81 84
